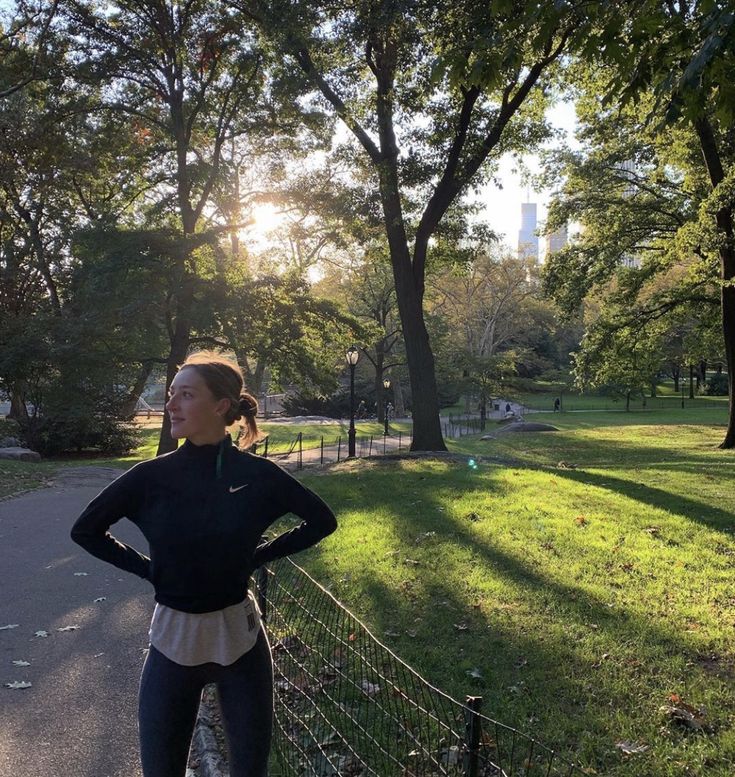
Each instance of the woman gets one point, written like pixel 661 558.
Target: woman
pixel 203 509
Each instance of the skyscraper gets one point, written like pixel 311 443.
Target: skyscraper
pixel 527 237
pixel 556 240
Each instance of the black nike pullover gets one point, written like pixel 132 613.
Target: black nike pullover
pixel 203 510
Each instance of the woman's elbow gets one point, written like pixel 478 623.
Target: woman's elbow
pixel 331 525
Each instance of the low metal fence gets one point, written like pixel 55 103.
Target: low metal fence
pixel 347 706
pixel 300 452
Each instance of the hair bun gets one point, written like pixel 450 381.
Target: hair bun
pixel 248 406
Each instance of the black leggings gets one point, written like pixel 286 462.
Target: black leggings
pixel 168 702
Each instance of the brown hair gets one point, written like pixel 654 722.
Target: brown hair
pixel 224 379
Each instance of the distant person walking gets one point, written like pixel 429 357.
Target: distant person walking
pixel 557 404
pixel 203 509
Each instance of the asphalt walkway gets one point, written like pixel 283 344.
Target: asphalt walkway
pixel 79 716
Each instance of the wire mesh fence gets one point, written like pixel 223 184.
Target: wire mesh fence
pixel 347 706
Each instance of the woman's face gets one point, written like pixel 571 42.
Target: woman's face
pixel 193 410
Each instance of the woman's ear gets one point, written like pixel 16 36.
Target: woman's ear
pixel 223 407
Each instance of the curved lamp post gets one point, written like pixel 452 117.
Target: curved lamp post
pixel 352 357
pixel 386 386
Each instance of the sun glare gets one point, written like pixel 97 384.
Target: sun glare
pixel 266 219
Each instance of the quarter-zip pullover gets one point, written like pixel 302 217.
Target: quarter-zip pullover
pixel 203 510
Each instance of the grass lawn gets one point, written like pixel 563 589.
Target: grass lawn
pixel 594 573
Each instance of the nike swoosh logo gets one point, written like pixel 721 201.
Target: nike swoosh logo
pixel 233 489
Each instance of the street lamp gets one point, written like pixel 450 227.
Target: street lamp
pixel 386 386
pixel 352 356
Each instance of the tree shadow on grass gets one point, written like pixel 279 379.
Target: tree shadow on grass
pixel 577 700
pixel 713 517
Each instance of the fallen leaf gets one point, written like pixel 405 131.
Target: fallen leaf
pixel 9 626
pixel 461 626
pixel 581 520
pixel 17 684
pixel 68 628
pixel 22 663
pixel 101 599
pixel 81 574
pixel 392 633
pixel 685 714
pixel 631 748
pixel 41 634
pixel 476 673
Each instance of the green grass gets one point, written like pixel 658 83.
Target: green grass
pixel 19 476
pixel 595 573
pixel 666 398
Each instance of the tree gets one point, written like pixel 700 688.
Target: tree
pixel 682 55
pixel 23 44
pixel 644 255
pixel 429 92
pixel 187 75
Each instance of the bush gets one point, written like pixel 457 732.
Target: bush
pixel 716 385
pixel 335 406
pixel 75 431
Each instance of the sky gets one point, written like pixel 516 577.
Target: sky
pixel 502 203
pixel 503 206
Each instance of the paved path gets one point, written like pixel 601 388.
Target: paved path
pixel 79 718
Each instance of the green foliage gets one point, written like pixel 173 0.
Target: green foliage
pixel 77 427
pixel 717 385
pixel 335 405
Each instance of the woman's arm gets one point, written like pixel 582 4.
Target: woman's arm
pixel 291 496
pixel 118 500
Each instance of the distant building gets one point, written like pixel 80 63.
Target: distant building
pixel 556 240
pixel 628 172
pixel 527 237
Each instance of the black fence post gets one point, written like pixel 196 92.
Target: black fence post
pixel 339 446
pixel 399 441
pixel 385 437
pixel 262 595
pixel 321 455
pixel 265 450
pixel 300 459
pixel 473 735
pixel 370 452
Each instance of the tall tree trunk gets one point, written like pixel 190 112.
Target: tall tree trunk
pixel 724 220
pixel 427 433
pixel 379 390
pixel 177 354
pixel 691 381
pixel 128 407
pixel 400 402
pixel 18 409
